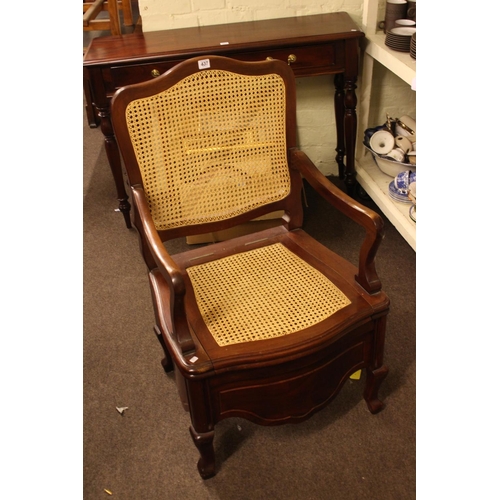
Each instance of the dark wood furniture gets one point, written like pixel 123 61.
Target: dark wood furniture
pixel 93 20
pixel 313 45
pixel 267 326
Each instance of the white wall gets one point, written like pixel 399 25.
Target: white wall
pixel 390 95
pixel 167 14
pixel 315 95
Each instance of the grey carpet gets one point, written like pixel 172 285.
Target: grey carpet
pixel 342 452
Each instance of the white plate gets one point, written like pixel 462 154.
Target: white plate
pixel 403 31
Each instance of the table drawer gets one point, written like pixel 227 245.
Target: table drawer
pixel 307 60
pixel 136 73
pixel 314 59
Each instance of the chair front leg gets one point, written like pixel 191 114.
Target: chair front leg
pixel 204 442
pixel 202 425
pixel 373 380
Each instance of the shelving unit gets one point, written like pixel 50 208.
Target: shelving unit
pixel 369 176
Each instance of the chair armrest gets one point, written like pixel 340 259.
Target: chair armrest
pixel 371 221
pixel 168 268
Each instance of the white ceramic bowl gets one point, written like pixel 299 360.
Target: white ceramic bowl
pixel 390 167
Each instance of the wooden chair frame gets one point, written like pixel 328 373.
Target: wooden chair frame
pixel 275 381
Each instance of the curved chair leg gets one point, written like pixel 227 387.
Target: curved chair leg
pixel 204 442
pixel 167 360
pixel 373 380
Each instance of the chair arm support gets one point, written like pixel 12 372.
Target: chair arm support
pixel 169 270
pixel 371 221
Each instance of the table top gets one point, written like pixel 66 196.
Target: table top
pixel 222 38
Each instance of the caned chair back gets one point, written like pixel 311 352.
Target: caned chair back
pixel 211 144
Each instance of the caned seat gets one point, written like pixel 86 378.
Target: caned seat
pixel 266 326
pixel 240 296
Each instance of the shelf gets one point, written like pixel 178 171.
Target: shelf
pixel 376 185
pixel 400 63
pixel 369 176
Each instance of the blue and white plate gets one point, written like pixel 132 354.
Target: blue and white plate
pixel 395 194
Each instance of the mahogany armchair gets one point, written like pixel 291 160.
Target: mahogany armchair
pixel 266 326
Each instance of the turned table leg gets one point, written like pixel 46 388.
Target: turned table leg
pixel 376 371
pixel 113 154
pixel 350 124
pixel 339 120
pixel 346 121
pixel 345 90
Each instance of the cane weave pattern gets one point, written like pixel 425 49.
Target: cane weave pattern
pixel 262 294
pixel 211 147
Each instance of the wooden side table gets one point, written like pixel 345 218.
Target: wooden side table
pixel 314 45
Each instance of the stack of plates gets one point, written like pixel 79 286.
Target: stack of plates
pixel 400 38
pixel 397 195
pixel 413 46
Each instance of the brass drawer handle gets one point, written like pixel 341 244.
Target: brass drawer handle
pixel 155 73
pixel 291 59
